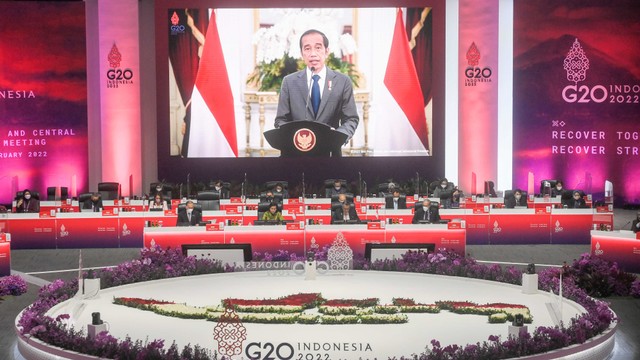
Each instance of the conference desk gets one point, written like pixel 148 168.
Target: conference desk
pixel 622 247
pixel 123 224
pixel 300 239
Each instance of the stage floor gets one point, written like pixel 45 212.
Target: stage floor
pixel 364 341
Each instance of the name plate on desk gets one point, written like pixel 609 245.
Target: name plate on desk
pixel 295 210
pixel 481 209
pixel 215 227
pixel 170 212
pixel 235 200
pixel 295 202
pixel 456 225
pixel 296 225
pixel 175 203
pixel 543 209
pixel 234 210
pixel 110 212
pixel 45 214
pixel 604 209
pixel 375 225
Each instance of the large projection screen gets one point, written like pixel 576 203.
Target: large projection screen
pixel 386 144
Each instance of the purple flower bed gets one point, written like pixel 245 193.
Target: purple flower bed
pixel 153 264
pixel 12 285
pixel 159 264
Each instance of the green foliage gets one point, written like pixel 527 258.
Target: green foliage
pixel 268 76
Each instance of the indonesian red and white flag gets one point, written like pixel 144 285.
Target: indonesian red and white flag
pixel 401 80
pixel 213 124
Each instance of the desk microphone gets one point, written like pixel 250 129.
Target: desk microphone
pixel 306 106
pixel 625 225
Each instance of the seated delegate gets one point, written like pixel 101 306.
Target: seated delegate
pixel 94 203
pixel 395 201
pixel 189 216
pixel 273 214
pixel 558 190
pixel 337 188
pixel 635 225
pixel 27 204
pixel 345 213
pixel 426 213
pixel 444 192
pixel 576 201
pixel 157 203
pixel 516 200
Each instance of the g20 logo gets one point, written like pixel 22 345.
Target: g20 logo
pixel 478 73
pixel 584 94
pixel 118 74
pixel 269 351
pixel 175 29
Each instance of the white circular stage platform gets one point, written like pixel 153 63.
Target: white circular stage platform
pixel 323 341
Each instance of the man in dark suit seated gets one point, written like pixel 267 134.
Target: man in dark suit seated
pixel 426 213
pixel 395 201
pixel 27 204
pixel 516 200
pixel 576 201
pixel 190 216
pixel 93 203
pixel 635 225
pixel 337 188
pixel 346 213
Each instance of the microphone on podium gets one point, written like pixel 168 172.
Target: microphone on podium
pixel 306 106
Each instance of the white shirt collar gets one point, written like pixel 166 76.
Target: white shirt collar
pixel 322 73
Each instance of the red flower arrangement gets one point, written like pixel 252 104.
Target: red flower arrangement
pixel 362 303
pixel 306 300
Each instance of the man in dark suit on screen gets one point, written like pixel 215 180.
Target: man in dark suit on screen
pixel 318 93
pixel 426 213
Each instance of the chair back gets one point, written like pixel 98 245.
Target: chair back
pixel 109 190
pixel 209 200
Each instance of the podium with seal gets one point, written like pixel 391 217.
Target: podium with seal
pixel 306 138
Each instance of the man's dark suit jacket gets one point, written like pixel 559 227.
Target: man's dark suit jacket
pixel 88 204
pixel 511 202
pixel 433 215
pixel 338 215
pixel 337 106
pixel 402 202
pixel 183 219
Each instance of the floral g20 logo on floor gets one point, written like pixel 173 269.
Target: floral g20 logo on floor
pixel 229 333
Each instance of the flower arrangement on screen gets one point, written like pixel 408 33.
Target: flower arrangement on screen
pixel 278 48
pixel 156 264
